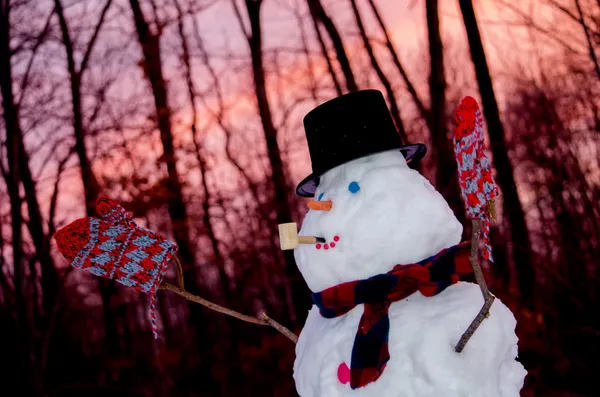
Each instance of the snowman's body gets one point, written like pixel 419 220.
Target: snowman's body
pixel 386 214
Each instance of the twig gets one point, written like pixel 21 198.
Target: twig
pixel 280 328
pixel 266 320
pixel 487 297
pixel 179 272
pixel 474 258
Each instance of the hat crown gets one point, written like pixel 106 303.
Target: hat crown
pixel 346 128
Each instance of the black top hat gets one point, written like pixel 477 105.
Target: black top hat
pixel 349 127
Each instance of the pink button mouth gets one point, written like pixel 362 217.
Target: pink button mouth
pixel 329 245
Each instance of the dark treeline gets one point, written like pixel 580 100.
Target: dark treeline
pixel 188 112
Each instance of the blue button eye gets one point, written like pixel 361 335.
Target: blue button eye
pixel 353 187
pixel 320 196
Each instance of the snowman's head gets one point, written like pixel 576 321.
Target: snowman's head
pixel 383 214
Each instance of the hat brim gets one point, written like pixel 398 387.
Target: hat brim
pixel 412 153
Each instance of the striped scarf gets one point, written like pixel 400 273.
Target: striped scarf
pixel 370 350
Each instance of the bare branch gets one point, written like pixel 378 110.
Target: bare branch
pixel 238 14
pixel 90 46
pixel 336 83
pixel 487 297
pixel 54 198
pixel 531 23
pixel 409 86
pixel 586 30
pixel 379 71
pixel 39 40
pixel 218 308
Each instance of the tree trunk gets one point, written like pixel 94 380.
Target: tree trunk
pixel 505 174
pixel 49 279
pixel 23 365
pixel 177 210
pixel 442 152
pixel 382 77
pixel 319 13
pixel 150 44
pixel 300 293
pixel 91 188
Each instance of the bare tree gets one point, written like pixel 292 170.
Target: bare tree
pixel 580 19
pixel 266 227
pixel 441 147
pixel 152 63
pixel 325 53
pixel 318 13
pixel 309 61
pixel 423 111
pixel 35 223
pixel 512 205
pixel 91 186
pixel 588 38
pixel 278 176
pixel 380 74
pixel 187 66
pixel 13 148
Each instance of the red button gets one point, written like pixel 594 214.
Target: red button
pixel 336 238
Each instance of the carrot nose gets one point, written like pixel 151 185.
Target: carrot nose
pixel 320 205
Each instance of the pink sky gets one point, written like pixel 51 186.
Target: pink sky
pixel 222 35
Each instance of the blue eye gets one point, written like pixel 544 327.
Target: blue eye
pixel 320 196
pixel 353 187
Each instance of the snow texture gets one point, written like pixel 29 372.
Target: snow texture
pixel 385 214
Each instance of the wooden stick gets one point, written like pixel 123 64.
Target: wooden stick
pixel 487 297
pixel 280 328
pixel 307 240
pixel 266 320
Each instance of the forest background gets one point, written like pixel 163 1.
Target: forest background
pixel 189 113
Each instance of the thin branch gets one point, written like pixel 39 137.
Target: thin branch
pixel 292 336
pixel 90 46
pixel 54 198
pixel 531 23
pixel 325 53
pixel 409 86
pixel 474 259
pixel 379 71
pixel 218 308
pixel 238 14
pixel 482 315
pixel 179 268
pixel 487 297
pixel 586 30
pixel 39 41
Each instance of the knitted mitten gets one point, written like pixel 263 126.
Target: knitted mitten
pixel 475 176
pixel 115 247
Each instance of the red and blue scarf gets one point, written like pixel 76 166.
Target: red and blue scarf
pixel 429 276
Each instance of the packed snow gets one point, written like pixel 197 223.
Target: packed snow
pixel 386 214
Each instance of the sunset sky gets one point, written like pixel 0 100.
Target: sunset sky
pixel 115 65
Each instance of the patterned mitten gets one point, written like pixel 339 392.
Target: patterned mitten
pixel 115 247
pixel 475 177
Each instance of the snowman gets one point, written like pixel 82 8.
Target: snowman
pixel 382 258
